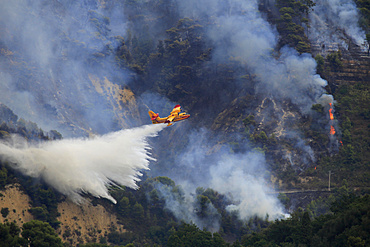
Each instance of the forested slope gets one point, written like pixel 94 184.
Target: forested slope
pixel 262 118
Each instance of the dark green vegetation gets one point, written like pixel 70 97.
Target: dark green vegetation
pixel 292 23
pixel 34 234
pixel 348 150
pixel 178 66
pixel 146 213
pixel 364 7
pixel 353 160
pixel 44 199
pixel 346 225
pixel 342 220
pixel 11 124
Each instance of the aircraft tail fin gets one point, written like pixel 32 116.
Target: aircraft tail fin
pixel 153 116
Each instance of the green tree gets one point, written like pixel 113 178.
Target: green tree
pixel 9 235
pixel 335 60
pixel 284 199
pixel 292 15
pixel 305 229
pixel 3 177
pixel 203 204
pixel 355 242
pixel 320 64
pixel 191 235
pixel 262 137
pixel 124 206
pixel 4 212
pixel 44 202
pixel 40 213
pixel 40 234
pixel 138 212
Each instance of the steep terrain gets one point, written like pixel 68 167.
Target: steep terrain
pixel 86 223
pixel 78 223
pixel 17 203
pixel 265 114
pixel 354 67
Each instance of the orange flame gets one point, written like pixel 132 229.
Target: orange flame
pixel 331 112
pixel 332 130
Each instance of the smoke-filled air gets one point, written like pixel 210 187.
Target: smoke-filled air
pixel 78 78
pixel 344 15
pixel 80 165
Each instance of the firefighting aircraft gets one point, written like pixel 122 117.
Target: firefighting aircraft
pixel 173 117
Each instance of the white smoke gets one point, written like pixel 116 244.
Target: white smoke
pixel 81 165
pixel 292 77
pixel 247 36
pixel 240 32
pixel 242 178
pixel 50 51
pixel 186 209
pixel 75 166
pixel 326 99
pixel 332 15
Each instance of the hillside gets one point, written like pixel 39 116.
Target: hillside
pixel 79 224
pixel 277 141
pixel 16 203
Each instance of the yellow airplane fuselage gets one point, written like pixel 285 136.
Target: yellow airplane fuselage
pixel 174 117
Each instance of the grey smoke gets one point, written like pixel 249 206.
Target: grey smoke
pixel 240 32
pixel 187 207
pixel 52 52
pixel 330 17
pixel 243 178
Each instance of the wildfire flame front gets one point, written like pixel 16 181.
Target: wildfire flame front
pixel 331 112
pixel 332 130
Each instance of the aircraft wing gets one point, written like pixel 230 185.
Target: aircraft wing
pixel 171 117
pixel 176 110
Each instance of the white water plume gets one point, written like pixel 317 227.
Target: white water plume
pixel 75 166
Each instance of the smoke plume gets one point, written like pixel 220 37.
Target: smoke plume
pixel 330 18
pixel 70 49
pixel 240 31
pixel 242 177
pixel 75 166
pixel 244 34
pixel 57 64
pixel 188 207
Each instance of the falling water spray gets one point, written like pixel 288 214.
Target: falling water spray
pixel 75 166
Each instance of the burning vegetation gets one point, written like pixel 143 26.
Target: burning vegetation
pixel 331 116
pixel 210 61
